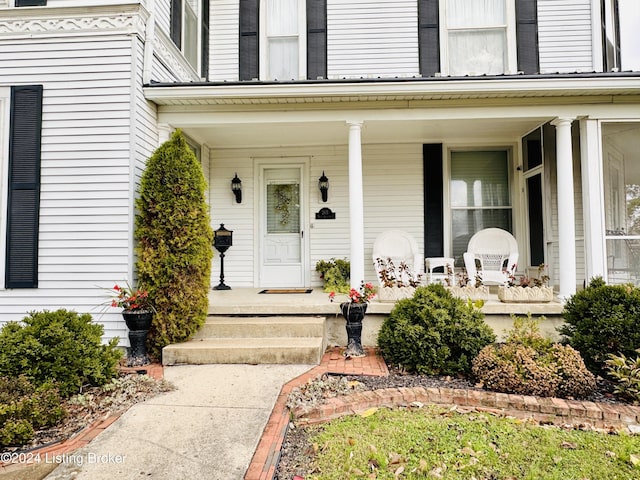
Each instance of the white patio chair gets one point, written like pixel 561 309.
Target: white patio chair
pixel 401 248
pixel 492 254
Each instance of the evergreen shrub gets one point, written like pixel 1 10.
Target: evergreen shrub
pixel 25 408
pixel 434 333
pixel 602 320
pixel 530 364
pixel 174 248
pixel 60 346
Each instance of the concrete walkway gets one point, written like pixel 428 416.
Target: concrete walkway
pixel 208 428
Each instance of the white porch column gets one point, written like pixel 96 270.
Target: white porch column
pixel 356 204
pixel 566 209
pixel 164 132
pixel 592 199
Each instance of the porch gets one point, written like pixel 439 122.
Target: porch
pixel 247 302
pixel 246 326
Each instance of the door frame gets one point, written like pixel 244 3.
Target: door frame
pixel 259 222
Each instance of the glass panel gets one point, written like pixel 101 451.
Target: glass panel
pixel 629 21
pixel 283 208
pixel 283 58
pixel 467 222
pixel 477 52
pixel 475 13
pixel 536 231
pixel 621 169
pixel 532 149
pixel 282 17
pixel 479 179
pixel 190 43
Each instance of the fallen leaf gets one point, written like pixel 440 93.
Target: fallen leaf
pixel 357 471
pixel 395 458
pixel 610 454
pixel 373 464
pixel 423 465
pixel 368 412
pixel 557 460
pixel 436 472
pixel 468 451
pixel 398 471
pixel 634 459
pixel 351 441
pixel 569 445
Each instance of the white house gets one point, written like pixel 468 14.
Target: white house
pixel 437 117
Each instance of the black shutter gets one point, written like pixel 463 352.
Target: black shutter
pixel 176 23
pixel 527 35
pixel 249 16
pixel 316 39
pixel 24 187
pixel 433 200
pixel 428 37
pixel 31 3
pixel 204 66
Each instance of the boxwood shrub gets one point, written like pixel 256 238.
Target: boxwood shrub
pixel 434 333
pixel 60 346
pixel 602 320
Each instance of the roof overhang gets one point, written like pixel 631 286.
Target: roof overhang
pixel 414 89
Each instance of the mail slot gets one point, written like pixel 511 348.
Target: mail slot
pixel 222 238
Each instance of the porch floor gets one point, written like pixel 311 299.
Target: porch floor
pixel 248 301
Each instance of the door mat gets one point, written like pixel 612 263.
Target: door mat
pixel 287 290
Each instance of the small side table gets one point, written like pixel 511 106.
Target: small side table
pixel 430 264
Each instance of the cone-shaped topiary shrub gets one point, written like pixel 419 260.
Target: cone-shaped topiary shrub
pixel 602 320
pixel 434 333
pixel 174 243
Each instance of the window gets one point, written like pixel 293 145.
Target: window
pixel 283 45
pixel 479 195
pixel 610 35
pixel 189 31
pixel 478 37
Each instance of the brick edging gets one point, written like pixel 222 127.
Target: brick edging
pixel 82 437
pixel 543 409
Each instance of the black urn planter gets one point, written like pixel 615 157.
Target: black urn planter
pixel 138 322
pixel 353 313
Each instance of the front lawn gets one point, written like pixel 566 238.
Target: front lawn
pixel 440 443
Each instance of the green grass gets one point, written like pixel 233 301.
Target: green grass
pixel 443 444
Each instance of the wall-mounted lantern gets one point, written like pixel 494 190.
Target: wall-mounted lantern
pixel 236 188
pixel 323 185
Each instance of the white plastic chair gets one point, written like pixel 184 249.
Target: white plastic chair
pixel 401 248
pixel 492 254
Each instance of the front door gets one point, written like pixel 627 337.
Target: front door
pixel 282 227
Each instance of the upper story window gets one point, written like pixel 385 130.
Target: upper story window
pixel 31 3
pixel 478 37
pixel 189 31
pixel 283 40
pixel 610 35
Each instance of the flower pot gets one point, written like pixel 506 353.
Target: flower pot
pixel 353 313
pixel 393 294
pixel 138 322
pixel 519 294
pixel 470 292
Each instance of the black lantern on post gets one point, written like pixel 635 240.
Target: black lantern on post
pixel 236 188
pixel 222 240
pixel 323 185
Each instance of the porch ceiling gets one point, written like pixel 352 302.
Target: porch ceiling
pixel 336 133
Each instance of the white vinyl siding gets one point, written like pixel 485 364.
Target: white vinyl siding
pixel 223 54
pixel 372 38
pixel 386 185
pixel 565 36
pixel 85 204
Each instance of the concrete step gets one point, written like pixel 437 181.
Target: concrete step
pixel 278 350
pixel 261 327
